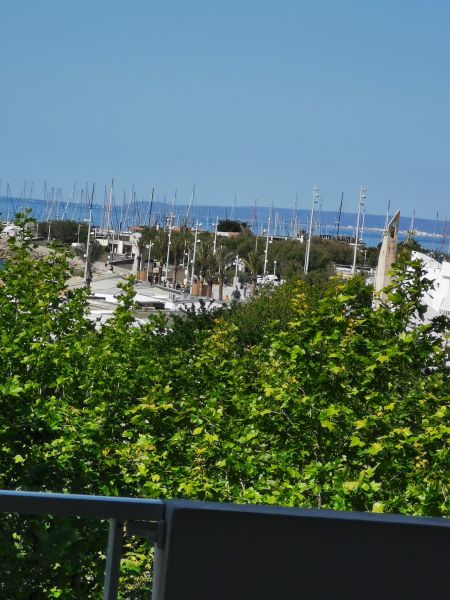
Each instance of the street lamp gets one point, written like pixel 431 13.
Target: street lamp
pixel 87 276
pixel 362 203
pixel 186 270
pixel 149 246
pixel 274 267
pixel 266 252
pixel 316 191
pixel 168 247
pixel 197 224
pixel 236 279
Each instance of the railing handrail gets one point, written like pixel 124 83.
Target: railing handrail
pixel 117 510
pixel 100 507
pixel 154 520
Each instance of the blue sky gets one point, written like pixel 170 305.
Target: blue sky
pixel 262 99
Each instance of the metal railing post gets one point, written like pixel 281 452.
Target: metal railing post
pixel 113 556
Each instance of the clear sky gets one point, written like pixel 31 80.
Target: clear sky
pixel 262 99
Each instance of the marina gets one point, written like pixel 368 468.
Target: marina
pixel 285 223
pixel 177 283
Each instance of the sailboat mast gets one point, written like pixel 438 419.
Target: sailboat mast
pixel 215 235
pixel 435 231
pixel 294 230
pixel 107 207
pixel 129 204
pixel 338 222
pixel 254 223
pixel 149 220
pixel 234 208
pixel 189 207
pixel 443 238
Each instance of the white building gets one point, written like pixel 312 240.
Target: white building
pixel 437 299
pixel 10 231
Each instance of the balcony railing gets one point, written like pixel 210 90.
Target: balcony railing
pixel 210 551
pixel 127 517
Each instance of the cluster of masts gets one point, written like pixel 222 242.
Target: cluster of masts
pixel 133 211
pixel 359 224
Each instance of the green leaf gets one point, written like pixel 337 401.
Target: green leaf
pixel 12 387
pixel 375 448
pixel 327 424
pixel 378 507
pixel 356 441
pixel 350 486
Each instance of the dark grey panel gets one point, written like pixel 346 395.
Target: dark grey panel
pixel 226 552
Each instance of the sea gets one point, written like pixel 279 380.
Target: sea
pixel 431 234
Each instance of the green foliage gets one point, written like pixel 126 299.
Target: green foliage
pixel 65 231
pixel 307 396
pixel 290 254
pixel 223 258
pixel 96 251
pixel 269 311
pixel 44 337
pixel 406 247
pixel 254 263
pixel 177 248
pixel 231 225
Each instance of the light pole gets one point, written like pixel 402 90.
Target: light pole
pixel 86 266
pixel 266 252
pixel 168 246
pixel 274 267
pixel 186 270
pixel 150 244
pixel 195 252
pixel 362 203
pixel 236 264
pixel 308 243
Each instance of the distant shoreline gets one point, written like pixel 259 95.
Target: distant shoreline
pixel 284 222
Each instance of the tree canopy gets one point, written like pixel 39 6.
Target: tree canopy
pixel 306 396
pixel 231 225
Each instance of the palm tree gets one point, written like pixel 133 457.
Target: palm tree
pixel 203 253
pixel 223 257
pixel 141 244
pixel 160 251
pixel 253 263
pixel 96 251
pixel 177 252
pixel 211 270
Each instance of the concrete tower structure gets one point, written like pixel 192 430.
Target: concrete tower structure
pixel 388 253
